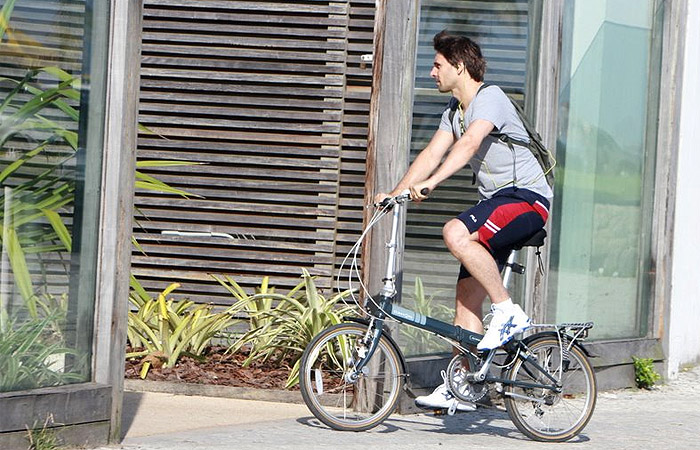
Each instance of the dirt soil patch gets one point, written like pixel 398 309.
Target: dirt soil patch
pixel 218 368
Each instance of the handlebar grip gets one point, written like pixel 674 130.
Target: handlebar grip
pixel 425 191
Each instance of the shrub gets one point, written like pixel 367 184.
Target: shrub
pixel 419 342
pixel 644 373
pixel 28 355
pixel 167 329
pixel 285 329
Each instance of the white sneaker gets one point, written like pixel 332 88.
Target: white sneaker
pixel 443 398
pixel 508 320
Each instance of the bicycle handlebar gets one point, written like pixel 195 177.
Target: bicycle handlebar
pixel 401 198
pixel 390 201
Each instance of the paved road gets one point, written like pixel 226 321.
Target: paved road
pixel 668 417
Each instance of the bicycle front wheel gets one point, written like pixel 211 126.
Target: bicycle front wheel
pixel 337 394
pixel 543 414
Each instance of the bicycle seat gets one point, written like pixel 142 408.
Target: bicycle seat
pixel 534 240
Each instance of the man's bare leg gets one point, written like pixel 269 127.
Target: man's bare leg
pixel 508 318
pixel 466 248
pixel 469 301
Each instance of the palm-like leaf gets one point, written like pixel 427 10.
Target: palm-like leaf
pixel 26 354
pixel 285 329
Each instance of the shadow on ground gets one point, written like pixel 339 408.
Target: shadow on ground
pixel 132 401
pixel 486 421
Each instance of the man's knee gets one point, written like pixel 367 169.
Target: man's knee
pixel 455 233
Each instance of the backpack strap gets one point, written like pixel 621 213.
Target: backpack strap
pixel 455 105
pixel 495 134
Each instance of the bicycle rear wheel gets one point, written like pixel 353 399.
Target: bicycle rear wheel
pixel 326 385
pixel 545 415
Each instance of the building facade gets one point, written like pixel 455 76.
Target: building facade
pixel 290 117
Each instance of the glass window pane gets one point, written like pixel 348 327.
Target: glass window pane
pixel 600 261
pixel 50 164
pixel 501 29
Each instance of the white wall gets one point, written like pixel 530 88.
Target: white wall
pixel 684 318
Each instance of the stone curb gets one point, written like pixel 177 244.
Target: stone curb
pixel 208 390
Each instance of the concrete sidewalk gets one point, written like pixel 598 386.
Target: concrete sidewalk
pixel 667 417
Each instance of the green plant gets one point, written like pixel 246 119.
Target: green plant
pixel 419 342
pixel 28 357
pixel 5 14
pixel 644 373
pixel 43 438
pixel 166 329
pixel 284 330
pixel 256 307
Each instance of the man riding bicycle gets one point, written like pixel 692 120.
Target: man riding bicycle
pixel 513 191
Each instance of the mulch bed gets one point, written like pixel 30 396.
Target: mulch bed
pixel 217 368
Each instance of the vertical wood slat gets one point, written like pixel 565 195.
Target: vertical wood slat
pixel 117 201
pixel 257 92
pixel 541 103
pixel 391 108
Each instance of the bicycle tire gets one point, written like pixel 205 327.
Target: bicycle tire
pixel 545 415
pixel 331 398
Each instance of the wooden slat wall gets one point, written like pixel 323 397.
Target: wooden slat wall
pixel 271 98
pixel 500 28
pixel 44 33
pixel 355 122
pixel 41 33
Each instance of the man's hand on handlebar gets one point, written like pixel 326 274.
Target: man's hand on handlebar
pixel 416 193
pixel 381 197
pixel 421 191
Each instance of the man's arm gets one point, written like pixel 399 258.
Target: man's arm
pixel 462 151
pixel 424 164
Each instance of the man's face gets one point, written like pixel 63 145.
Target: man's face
pixel 444 74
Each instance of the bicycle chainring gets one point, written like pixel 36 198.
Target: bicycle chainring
pixel 457 371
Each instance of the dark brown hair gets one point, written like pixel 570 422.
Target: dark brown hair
pixel 460 49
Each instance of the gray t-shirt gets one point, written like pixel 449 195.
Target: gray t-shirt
pixel 494 164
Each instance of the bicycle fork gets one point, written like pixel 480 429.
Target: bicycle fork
pixel 370 342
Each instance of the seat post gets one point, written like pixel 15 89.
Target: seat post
pixel 508 271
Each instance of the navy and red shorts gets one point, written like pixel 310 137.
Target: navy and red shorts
pixel 511 215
